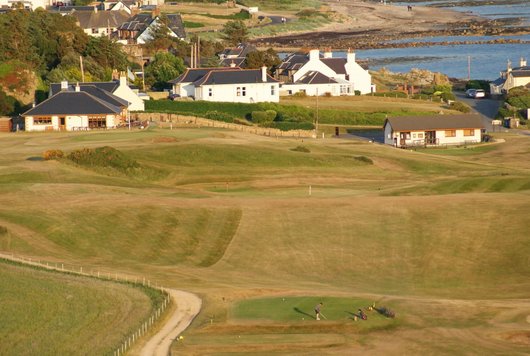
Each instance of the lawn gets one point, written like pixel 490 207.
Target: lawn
pixel 246 221
pixel 49 313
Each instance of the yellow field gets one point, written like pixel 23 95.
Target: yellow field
pixel 441 237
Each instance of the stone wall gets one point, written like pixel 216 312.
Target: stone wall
pixel 178 120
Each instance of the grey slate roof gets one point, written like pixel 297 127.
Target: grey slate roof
pixel 91 19
pixel 498 81
pixel 193 74
pixel 72 103
pixel 141 22
pixel 107 86
pixel 314 77
pixel 336 64
pixel 69 9
pixel 238 62
pixel 440 122
pixel 234 76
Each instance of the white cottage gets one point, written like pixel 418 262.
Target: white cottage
pixel 406 131
pixel 119 88
pixel 234 85
pixel 75 110
pixel 511 78
pixel 316 74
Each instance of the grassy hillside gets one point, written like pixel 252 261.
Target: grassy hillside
pixel 48 313
pixel 431 234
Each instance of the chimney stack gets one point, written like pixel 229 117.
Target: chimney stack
pixel 123 79
pixel 77 87
pixel 264 74
pixel 328 53
pixel 350 56
pixel 314 55
pixel 64 85
pixel 232 64
pixel 522 62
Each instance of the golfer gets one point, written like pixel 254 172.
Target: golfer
pixel 317 310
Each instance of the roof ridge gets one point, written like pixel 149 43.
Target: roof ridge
pixel 101 101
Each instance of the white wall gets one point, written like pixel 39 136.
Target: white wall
pixel 311 90
pixel 361 78
pixel 71 122
pixel 255 93
pixel 184 89
pixel 314 64
pixel 440 136
pixel 124 92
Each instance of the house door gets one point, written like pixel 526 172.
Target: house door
pixel 62 123
pixel 430 137
pixel 403 137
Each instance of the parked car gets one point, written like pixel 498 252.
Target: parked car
pixel 172 96
pixel 479 93
pixel 470 93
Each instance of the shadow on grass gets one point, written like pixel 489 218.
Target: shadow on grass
pixel 353 315
pixel 35 158
pixel 303 312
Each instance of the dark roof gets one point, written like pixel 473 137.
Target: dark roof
pixel 233 76
pixel 91 19
pixel 73 103
pixel 176 25
pixel 238 62
pixel 141 22
pixel 69 9
pixel 521 73
pixel 103 95
pixel 240 51
pixel 314 77
pixel 193 74
pixel 294 61
pixel 336 64
pixel 403 123
pixel 107 86
pixel 498 81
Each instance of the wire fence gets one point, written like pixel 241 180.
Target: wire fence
pixel 129 340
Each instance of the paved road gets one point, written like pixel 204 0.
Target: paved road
pixel 486 107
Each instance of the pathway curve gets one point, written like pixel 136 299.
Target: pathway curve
pixel 188 306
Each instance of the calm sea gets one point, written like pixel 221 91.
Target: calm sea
pixel 487 60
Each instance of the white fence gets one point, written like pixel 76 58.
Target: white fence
pixel 130 339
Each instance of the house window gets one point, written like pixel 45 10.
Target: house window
pixel 420 135
pixel 95 31
pixel 272 90
pixel 450 133
pixel 243 91
pixel 238 91
pixel 47 120
pixel 469 132
pixel 210 92
pixel 97 122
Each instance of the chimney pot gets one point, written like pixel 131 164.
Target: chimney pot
pixel 314 54
pixel 264 74
pixel 64 85
pixel 77 87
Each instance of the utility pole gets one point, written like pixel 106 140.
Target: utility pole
pixel 82 70
pixel 468 68
pixel 316 121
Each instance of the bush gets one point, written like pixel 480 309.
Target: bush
pixel 3 230
pixel 459 106
pixel 447 96
pixel 259 117
pixel 106 156
pixel 242 122
pixel 357 92
pixel 52 154
pixel 219 116
pixel 301 149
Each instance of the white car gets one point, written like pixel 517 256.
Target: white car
pixel 479 93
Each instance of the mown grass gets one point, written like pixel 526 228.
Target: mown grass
pixel 294 5
pixel 443 235
pixel 49 313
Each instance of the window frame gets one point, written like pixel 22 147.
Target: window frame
pixel 469 132
pixel 450 133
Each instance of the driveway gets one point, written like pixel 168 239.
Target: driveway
pixel 486 107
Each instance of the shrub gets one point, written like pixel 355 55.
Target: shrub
pixel 447 96
pixel 301 149
pixel 219 116
pixel 52 154
pixel 242 122
pixel 103 157
pixel 357 92
pixel 3 230
pixel 271 115
pixel 259 117
pixel 459 106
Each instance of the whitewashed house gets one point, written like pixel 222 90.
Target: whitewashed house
pixel 407 131
pixel 226 84
pixel 511 78
pixel 119 88
pixel 27 4
pixel 76 110
pixel 99 23
pixel 139 28
pixel 316 74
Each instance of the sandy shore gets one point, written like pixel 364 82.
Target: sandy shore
pixel 361 24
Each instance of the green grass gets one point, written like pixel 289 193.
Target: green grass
pixel 431 234
pixel 191 24
pixel 49 313
pixel 294 5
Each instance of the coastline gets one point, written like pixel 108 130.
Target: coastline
pixel 367 25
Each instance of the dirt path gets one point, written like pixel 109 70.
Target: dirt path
pixel 188 306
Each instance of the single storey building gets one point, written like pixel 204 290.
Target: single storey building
pixel 405 131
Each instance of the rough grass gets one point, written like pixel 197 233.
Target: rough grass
pixel 49 313
pixel 433 235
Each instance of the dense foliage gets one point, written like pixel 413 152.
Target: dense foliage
pixel 162 69
pixel 517 103
pixel 235 32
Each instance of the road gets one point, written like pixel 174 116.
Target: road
pixel 486 107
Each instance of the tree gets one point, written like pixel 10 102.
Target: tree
pixel 162 69
pixel 258 59
pixel 7 104
pixel 235 32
